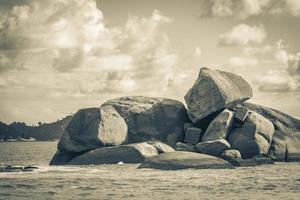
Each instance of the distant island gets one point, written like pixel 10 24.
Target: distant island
pixel 19 131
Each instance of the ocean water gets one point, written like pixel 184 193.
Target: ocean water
pixel 279 181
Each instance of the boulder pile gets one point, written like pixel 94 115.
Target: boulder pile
pixel 217 130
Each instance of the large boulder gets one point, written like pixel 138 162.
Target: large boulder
pixel 275 115
pixel 220 127
pixel 183 160
pixel 90 129
pixel 152 118
pixel 213 148
pixel 131 153
pixel 285 144
pixel 254 137
pixel 215 90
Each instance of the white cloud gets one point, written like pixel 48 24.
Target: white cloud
pixel 277 81
pixel 243 9
pixel 57 50
pixel 242 61
pixel 287 77
pixel 243 34
pixel 198 51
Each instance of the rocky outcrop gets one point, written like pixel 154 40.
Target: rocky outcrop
pixel 220 127
pixel 254 137
pixel 235 133
pixel 215 90
pixel 183 160
pixel 131 153
pixel 152 118
pixel 285 144
pixel 90 129
pixel 213 148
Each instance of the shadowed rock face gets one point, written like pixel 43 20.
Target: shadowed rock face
pixel 152 118
pixel 90 129
pixel 183 160
pixel 132 153
pixel 285 144
pixel 213 91
pixel 254 137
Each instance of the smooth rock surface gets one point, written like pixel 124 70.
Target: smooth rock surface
pixel 131 153
pixel 89 129
pixel 215 90
pixel 254 137
pixel 220 127
pixel 285 144
pixel 184 147
pixel 192 135
pixel 152 118
pixel 183 160
pixel 92 128
pixel 213 148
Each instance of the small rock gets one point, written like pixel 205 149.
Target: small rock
pixel 240 115
pixel 220 127
pixel 231 154
pixel 184 147
pixel 214 148
pixel 192 135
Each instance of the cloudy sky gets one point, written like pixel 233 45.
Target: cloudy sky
pixel 57 56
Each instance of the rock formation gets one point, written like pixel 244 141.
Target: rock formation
pixel 219 130
pixel 151 118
